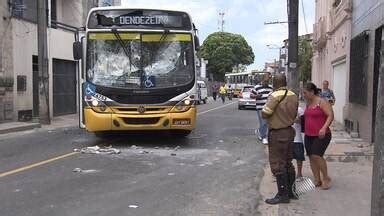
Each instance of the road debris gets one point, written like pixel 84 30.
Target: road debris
pixel 97 150
pixel 79 170
pixel 173 154
pixel 133 206
pixel 171 174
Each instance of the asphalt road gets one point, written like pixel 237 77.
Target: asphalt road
pixel 214 171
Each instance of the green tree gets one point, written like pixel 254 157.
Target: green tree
pixel 305 58
pixel 225 50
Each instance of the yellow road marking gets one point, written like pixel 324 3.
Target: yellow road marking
pixel 27 167
pixel 220 107
pixel 37 164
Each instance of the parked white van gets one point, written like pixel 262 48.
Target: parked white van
pixel 202 92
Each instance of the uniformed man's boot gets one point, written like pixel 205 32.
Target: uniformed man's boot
pixel 282 194
pixel 291 186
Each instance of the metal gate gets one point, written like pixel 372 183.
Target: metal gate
pixel 64 87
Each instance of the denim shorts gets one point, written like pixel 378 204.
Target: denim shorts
pixel 298 151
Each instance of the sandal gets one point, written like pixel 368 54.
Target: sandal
pixel 326 184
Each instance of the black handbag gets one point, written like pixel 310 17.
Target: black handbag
pixel 302 122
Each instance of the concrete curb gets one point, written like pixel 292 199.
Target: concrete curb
pixel 18 128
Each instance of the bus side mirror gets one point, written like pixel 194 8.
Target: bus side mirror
pixel 77 50
pixel 197 42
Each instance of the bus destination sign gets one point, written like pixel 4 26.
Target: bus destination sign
pixel 140 19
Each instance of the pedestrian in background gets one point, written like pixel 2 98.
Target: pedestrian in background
pixel 327 93
pixel 280 112
pixel 223 92
pixel 214 91
pixel 318 117
pixel 298 149
pixel 261 92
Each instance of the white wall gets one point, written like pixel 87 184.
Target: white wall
pixel 340 89
pixel 25 46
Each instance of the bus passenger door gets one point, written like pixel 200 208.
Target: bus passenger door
pixel 80 69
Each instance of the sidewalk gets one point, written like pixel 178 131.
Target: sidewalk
pixel 350 167
pixel 57 122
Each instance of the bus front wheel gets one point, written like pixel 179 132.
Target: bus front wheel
pixel 103 134
pixel 180 133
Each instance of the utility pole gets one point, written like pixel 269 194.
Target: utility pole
pixel 293 28
pixel 221 21
pixel 44 115
pixel 377 203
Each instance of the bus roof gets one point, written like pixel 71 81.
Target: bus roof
pixel 240 73
pixel 247 73
pixel 134 8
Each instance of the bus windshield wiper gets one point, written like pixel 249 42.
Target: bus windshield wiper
pixel 164 35
pixel 122 44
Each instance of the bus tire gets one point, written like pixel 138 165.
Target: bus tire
pixel 102 134
pixel 180 133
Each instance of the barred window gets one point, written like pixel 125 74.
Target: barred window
pixel 358 80
pixel 25 9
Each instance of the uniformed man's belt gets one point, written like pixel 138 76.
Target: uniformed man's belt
pixel 274 129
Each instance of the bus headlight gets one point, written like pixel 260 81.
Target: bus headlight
pixel 187 102
pixel 183 105
pixel 97 105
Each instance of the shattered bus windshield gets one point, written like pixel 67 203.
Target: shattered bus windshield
pixel 133 60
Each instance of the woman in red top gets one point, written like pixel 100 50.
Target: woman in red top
pixel 318 117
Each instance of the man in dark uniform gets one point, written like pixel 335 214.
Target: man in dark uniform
pixel 280 112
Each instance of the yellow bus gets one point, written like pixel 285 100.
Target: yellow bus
pixel 137 71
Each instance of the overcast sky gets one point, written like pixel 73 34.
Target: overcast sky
pixel 245 17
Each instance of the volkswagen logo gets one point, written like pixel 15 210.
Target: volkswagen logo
pixel 141 109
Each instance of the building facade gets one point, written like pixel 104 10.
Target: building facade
pixel 64 17
pixel 332 33
pixel 345 48
pixel 6 64
pixel 366 49
pixel 19 78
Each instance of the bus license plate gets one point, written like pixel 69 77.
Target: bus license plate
pixel 181 122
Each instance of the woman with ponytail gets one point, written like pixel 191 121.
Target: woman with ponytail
pixel 318 117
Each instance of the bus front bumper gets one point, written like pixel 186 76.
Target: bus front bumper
pixel 95 121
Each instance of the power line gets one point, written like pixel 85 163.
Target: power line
pixel 275 22
pixel 305 20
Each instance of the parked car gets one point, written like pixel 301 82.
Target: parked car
pixel 245 98
pixel 202 92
